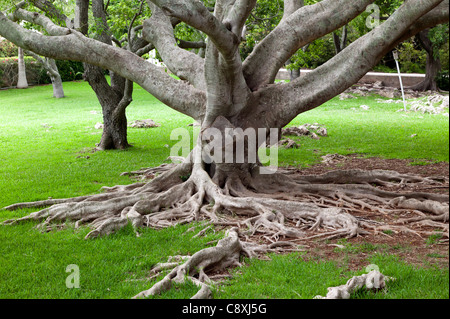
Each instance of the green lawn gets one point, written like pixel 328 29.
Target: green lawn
pixel 45 149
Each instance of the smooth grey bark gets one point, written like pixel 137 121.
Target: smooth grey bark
pixel 433 64
pixel 55 77
pixel 22 82
pixel 52 71
pixel 114 103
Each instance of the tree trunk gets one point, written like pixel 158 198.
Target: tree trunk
pixel 52 71
pixel 114 128
pixel 58 91
pixel 22 82
pixel 114 103
pixel 340 42
pixel 433 65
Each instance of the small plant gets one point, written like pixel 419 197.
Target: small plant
pixel 388 232
pixel 433 239
pixel 184 178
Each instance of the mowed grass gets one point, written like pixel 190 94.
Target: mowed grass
pixel 45 151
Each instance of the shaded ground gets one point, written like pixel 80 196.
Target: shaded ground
pixel 409 247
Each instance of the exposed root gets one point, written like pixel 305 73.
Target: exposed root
pixel 225 254
pixel 378 177
pixel 278 209
pixel 374 280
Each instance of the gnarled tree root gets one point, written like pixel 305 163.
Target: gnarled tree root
pixel 277 208
pixel 373 280
pixel 225 254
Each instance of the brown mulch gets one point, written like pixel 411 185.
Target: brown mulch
pixel 408 247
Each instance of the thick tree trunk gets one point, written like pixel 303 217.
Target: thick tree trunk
pixel 433 65
pixel 114 103
pixel 58 91
pixel 114 129
pixel 22 82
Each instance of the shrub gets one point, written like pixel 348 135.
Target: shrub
pixel 442 80
pixel 7 49
pixel 70 70
pixel 36 74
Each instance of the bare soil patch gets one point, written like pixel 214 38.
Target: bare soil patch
pixel 409 247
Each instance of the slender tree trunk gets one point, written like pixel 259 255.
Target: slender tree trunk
pixel 22 82
pixel 340 42
pixel 433 64
pixel 58 91
pixel 294 73
pixel 52 71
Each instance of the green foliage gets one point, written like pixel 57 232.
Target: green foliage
pixel 314 55
pixel 7 49
pixel 443 80
pixel 265 17
pixel 70 70
pixel 412 58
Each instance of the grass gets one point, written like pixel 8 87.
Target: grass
pixel 46 151
pixel 293 277
pixel 380 131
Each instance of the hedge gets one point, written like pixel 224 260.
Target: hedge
pixel 36 74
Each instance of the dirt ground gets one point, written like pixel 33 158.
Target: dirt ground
pixel 411 248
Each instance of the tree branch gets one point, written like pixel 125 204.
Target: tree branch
pixel 227 91
pixel 191 44
pixel 76 47
pixel 295 31
pixel 198 16
pixel 39 19
pixel 346 68
pixel 50 10
pixel 45 63
pixel 158 30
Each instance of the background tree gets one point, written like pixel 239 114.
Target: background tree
pixel 52 71
pixel 432 42
pixel 223 92
pixel 22 82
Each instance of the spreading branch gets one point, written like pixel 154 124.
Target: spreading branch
pixel 158 30
pixel 346 68
pixel 295 31
pixel 195 14
pixel 76 47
